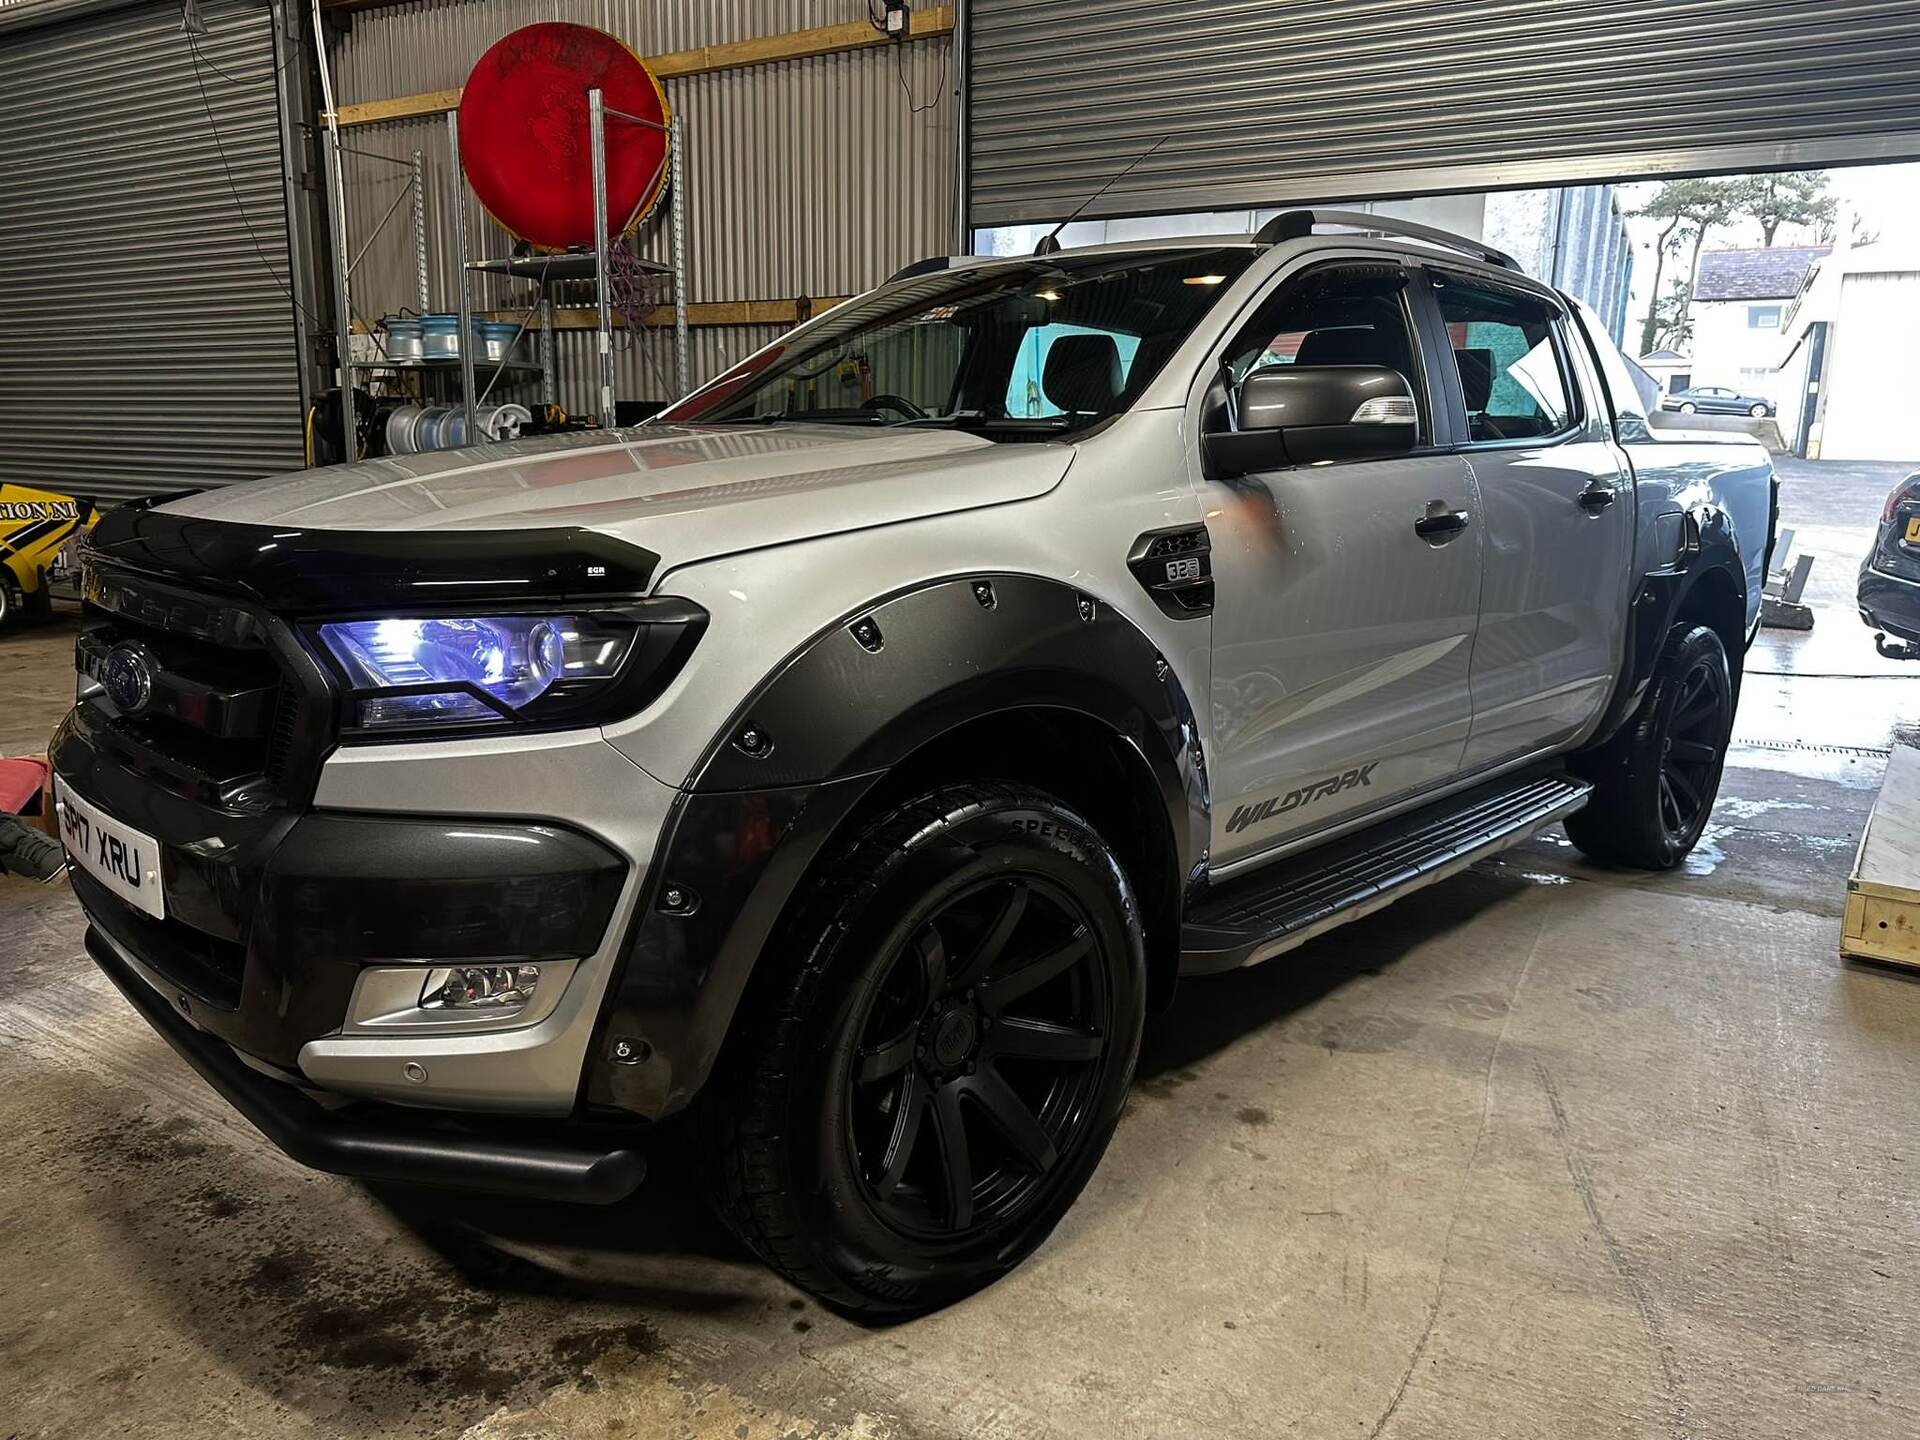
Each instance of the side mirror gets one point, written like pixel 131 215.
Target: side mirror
pixel 1303 414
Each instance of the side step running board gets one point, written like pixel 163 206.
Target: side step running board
pixel 1257 916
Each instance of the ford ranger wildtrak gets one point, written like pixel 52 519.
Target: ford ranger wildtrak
pixel 854 756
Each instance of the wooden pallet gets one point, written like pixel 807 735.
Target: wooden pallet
pixel 1883 893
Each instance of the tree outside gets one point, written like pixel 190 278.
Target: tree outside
pixel 1692 207
pixel 1786 197
pixel 1671 319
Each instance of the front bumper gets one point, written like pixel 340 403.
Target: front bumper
pixel 374 1142
pixel 272 919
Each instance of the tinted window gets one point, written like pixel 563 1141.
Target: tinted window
pixel 1334 315
pixel 1509 364
pixel 1024 350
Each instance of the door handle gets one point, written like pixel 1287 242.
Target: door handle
pixel 1596 498
pixel 1440 524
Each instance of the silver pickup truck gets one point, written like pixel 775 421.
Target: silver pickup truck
pixel 854 756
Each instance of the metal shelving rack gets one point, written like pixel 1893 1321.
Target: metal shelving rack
pixel 545 271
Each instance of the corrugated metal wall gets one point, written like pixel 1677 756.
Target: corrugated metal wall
pixel 643 368
pixel 1573 237
pixel 146 322
pixel 1280 101
pixel 804 177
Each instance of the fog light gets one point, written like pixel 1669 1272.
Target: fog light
pixel 461 999
pixel 479 987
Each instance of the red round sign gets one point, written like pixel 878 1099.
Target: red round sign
pixel 524 140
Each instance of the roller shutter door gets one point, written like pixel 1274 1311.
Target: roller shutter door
pixel 1274 101
pixel 146 325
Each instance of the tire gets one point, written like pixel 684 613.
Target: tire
pixel 890 1131
pixel 1758 412
pixel 1654 782
pixel 38 607
pixel 1688 408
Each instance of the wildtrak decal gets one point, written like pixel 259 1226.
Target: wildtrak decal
pixel 1246 815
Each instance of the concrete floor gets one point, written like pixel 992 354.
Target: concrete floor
pixel 1546 1151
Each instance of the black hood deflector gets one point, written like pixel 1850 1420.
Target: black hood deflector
pixel 300 571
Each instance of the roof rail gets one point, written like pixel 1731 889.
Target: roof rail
pixel 1294 224
pixel 921 267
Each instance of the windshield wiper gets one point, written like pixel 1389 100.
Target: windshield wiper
pixel 806 417
pixel 958 419
pixel 981 420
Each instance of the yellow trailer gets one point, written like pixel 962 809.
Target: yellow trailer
pixel 37 528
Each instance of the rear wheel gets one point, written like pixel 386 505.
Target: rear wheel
pixel 940 1056
pixel 39 605
pixel 1654 783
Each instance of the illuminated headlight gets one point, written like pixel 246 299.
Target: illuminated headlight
pixel 480 987
pixel 434 671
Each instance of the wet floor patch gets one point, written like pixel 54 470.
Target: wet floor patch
pixel 1856 766
pixel 1777 836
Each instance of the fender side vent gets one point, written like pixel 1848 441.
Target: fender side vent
pixel 1175 567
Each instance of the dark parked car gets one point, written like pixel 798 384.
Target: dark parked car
pixel 1890 578
pixel 1717 400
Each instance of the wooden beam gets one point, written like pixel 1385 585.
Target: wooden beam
pixel 699 313
pixel 925 24
pixel 797 44
pixel 404 107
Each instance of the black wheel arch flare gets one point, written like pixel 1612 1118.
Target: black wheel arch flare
pixel 1710 546
pixel 816 736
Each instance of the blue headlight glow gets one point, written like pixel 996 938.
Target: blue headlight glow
pixel 454 669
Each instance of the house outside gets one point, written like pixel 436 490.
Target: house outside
pixel 1851 335
pixel 1669 368
pixel 1740 303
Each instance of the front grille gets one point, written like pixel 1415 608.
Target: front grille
pixel 230 717
pixel 209 711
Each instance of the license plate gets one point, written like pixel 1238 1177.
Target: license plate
pixel 1913 531
pixel 118 856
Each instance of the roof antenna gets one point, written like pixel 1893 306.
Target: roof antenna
pixel 1050 242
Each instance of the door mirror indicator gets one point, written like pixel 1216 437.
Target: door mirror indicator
pixel 1309 414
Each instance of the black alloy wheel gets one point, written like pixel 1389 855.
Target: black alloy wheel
pixel 1694 749
pixel 1655 781
pixel 936 1053
pixel 978 1049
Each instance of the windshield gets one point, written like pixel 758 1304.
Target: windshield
pixel 1026 351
